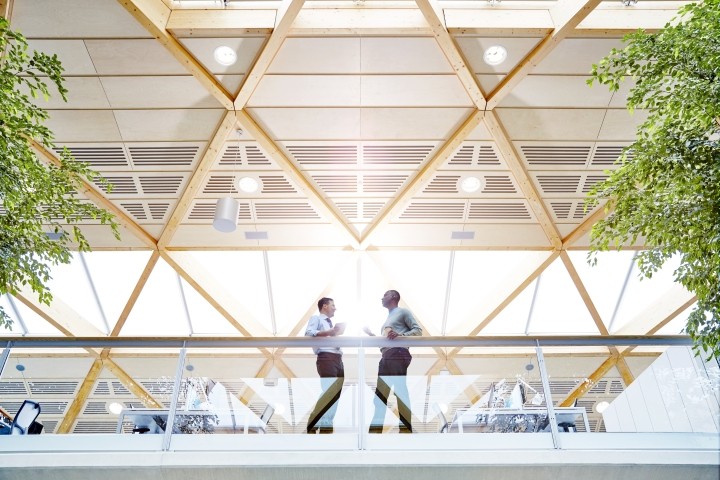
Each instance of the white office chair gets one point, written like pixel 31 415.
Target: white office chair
pixel 24 418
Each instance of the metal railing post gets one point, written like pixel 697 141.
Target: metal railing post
pixel 174 402
pixel 548 395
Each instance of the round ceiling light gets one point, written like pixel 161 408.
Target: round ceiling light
pixel 470 184
pixel 248 185
pixel 115 408
pixel 495 55
pixel 225 55
pixel 601 407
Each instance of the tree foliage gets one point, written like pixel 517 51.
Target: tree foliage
pixel 39 215
pixel 666 190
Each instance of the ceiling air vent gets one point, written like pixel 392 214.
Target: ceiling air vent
pixel 202 211
pixel 556 155
pixel 53 408
pixel 606 155
pixel 443 211
pixel 285 211
pixel 255 156
pixel 591 180
pixel 599 387
pixel 160 184
pixel 337 183
pixel 98 157
pixel 443 184
pixel 158 210
pixel 12 388
pixel 388 184
pixel 559 184
pixel 475 154
pixel 276 184
pixel 119 389
pixel 580 211
pixel 93 408
pixel 324 154
pixel 561 209
pixel 395 154
pixel 89 426
pixel 163 156
pixel 349 209
pixel 498 184
pixel 52 388
pixel 120 186
pixel 220 184
pixel 101 388
pixel 137 210
pixel 498 211
pixel 371 209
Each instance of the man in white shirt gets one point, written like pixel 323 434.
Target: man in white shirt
pixel 329 366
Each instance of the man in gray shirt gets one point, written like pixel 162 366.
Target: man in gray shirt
pixel 393 366
pixel 329 366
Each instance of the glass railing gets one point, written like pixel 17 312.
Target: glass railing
pixel 193 393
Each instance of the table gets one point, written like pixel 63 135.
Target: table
pixel 192 421
pixel 507 420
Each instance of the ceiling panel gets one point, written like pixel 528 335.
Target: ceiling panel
pixel 83 93
pixel 75 19
pixel 72 53
pixel 307 91
pixel 83 126
pixel 167 125
pixel 403 55
pixel 317 56
pixel 413 91
pixel 552 124
pixel 557 92
pixel 132 57
pixel 309 123
pixel 473 49
pixel 411 123
pixel 575 56
pixel 157 92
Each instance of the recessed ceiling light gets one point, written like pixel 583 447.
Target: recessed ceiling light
pixel 495 55
pixel 601 407
pixel 225 55
pixel 470 184
pixel 248 185
pixel 115 408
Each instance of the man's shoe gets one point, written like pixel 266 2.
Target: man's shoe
pixel 375 429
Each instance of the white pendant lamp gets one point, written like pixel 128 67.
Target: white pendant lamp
pixel 226 213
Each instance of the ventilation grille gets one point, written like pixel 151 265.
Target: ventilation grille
pixel 383 183
pixel 142 184
pixel 52 388
pixel 371 209
pixel 275 184
pixel 159 387
pixel 569 209
pixel 469 154
pixel 95 408
pixel 91 426
pixel 98 157
pixel 499 184
pixel 446 184
pixel 559 184
pixel 12 388
pixel 337 183
pixel 606 155
pixel 349 209
pixel 153 211
pixel 561 209
pixel 181 156
pixel 441 211
pixel 119 389
pixel 220 184
pixel 498 211
pixel 556 155
pixel 395 154
pixel 53 408
pixel 616 387
pixel 241 154
pixel 285 211
pixel 591 180
pixel 206 211
pixel 324 154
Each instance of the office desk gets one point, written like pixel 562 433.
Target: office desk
pixel 192 421
pixel 508 420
